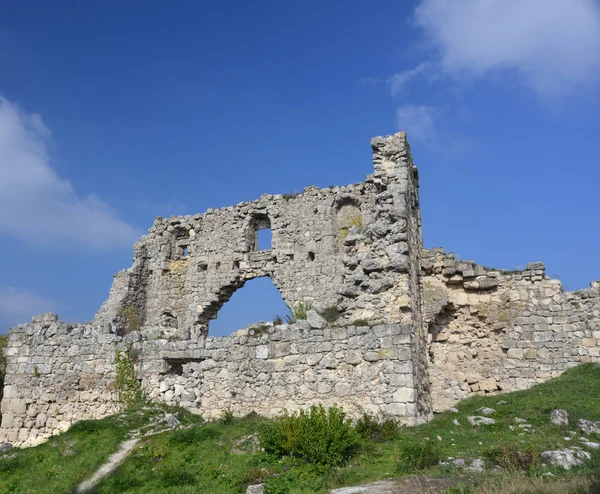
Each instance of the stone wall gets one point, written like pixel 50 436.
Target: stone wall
pixel 56 374
pixel 352 250
pixel 493 331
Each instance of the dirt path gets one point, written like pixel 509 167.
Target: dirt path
pixel 113 462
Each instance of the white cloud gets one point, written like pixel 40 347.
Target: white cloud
pixel 417 121
pixel 17 306
pixel 553 44
pixel 399 81
pixel 36 204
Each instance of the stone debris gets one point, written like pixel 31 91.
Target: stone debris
pixel 589 427
pixel 589 444
pixel 486 411
pixel 454 410
pixel 559 417
pixel 479 420
pixel 255 489
pixel 566 458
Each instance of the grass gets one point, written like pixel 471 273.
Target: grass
pixel 224 456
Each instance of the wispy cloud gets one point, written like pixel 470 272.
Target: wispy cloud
pixel 398 82
pixel 554 45
pixel 37 205
pixel 17 306
pixel 418 121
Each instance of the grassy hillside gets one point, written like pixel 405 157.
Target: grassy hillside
pixel 225 456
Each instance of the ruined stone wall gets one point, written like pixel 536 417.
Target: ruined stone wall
pixel 351 249
pixel 267 369
pixel 56 374
pixel 493 331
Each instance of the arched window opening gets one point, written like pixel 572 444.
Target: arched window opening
pixel 259 235
pixel 257 300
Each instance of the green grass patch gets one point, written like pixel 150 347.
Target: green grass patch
pixel 225 456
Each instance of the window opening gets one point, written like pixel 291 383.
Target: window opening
pixel 311 256
pixel 265 239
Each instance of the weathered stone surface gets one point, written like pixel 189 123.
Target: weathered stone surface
pixel 255 489
pixel 588 427
pixel 559 417
pixel 478 420
pixel 566 458
pixel 315 320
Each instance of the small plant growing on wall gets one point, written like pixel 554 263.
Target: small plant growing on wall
pixel 36 371
pixel 298 311
pixel 129 388
pixel 355 221
pixel 131 317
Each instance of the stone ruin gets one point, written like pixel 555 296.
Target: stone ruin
pixel 407 331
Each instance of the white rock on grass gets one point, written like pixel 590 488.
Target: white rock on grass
pixel 559 417
pixel 566 458
pixel 478 420
pixel 589 427
pixel 486 411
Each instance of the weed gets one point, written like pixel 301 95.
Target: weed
pixel 227 417
pixel 131 317
pixel 36 371
pixel 360 322
pixel 370 428
pixel 277 320
pixel 129 388
pixel 290 195
pixel 417 456
pixel 356 221
pixel 513 457
pixel 298 311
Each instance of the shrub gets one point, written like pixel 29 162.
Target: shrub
pixel 513 457
pixel 318 435
pixel 129 388
pixel 370 428
pixel 417 456
pixel 277 320
pixel 360 322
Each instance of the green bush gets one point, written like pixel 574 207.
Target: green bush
pixel 370 428
pixel 417 456
pixel 318 435
pixel 513 457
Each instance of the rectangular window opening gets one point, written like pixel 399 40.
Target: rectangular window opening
pixel 311 256
pixel 265 239
pixel 236 264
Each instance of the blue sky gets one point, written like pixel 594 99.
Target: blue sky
pixel 113 114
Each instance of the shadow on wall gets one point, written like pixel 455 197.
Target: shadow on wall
pixel 258 300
